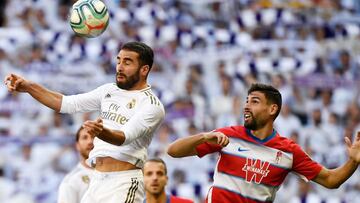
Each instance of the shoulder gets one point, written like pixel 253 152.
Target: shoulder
pixel 108 86
pixel 151 97
pixel 70 176
pixel 76 174
pixel 105 88
pixel 233 131
pixel 68 183
pixel 150 100
pixel 284 144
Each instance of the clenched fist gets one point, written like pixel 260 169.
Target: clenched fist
pixel 16 83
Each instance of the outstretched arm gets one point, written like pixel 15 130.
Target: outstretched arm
pixel 333 178
pixel 187 146
pixel 47 97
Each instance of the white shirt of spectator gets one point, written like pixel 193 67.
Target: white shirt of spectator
pixel 137 113
pixel 74 185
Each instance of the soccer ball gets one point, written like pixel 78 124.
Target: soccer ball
pixel 89 18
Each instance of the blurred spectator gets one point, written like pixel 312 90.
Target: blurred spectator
pixel 306 194
pixel 208 54
pixel 346 66
pixel 286 123
pixel 225 108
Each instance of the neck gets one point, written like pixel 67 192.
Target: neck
pixel 83 162
pixel 263 132
pixel 139 86
pixel 156 198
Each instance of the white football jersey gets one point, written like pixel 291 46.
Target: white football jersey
pixel 74 184
pixel 138 113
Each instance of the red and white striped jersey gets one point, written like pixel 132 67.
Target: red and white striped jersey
pixel 251 170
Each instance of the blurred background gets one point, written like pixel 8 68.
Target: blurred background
pixel 208 52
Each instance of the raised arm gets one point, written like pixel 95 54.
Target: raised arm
pixel 45 96
pixel 187 146
pixel 333 178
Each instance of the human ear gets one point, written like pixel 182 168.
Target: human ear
pixel 273 109
pixel 145 70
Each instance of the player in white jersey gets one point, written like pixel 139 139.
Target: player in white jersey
pixel 75 183
pixel 130 113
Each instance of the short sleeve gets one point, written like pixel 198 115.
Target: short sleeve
pixel 207 148
pixel 304 165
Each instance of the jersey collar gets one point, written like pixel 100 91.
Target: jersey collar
pixel 148 87
pixel 248 131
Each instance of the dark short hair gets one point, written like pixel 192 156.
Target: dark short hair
pixel 158 160
pixel 77 135
pixel 146 54
pixel 272 95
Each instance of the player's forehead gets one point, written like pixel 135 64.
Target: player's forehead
pixel 127 54
pixel 154 166
pixel 256 95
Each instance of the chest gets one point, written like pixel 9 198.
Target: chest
pixel 119 108
pixel 254 162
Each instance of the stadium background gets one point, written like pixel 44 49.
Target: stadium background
pixel 208 52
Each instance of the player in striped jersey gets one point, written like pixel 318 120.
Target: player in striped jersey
pixel 254 159
pixel 129 115
pixel 155 179
pixel 75 183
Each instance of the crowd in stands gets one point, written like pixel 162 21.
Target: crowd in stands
pixel 208 52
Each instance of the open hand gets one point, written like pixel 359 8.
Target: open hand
pixel 16 83
pixel 353 149
pixel 217 138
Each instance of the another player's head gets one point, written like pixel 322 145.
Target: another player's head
pixel 134 63
pixel 84 142
pixel 263 105
pixel 155 176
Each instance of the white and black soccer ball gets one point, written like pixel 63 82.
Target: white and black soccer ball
pixel 89 18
